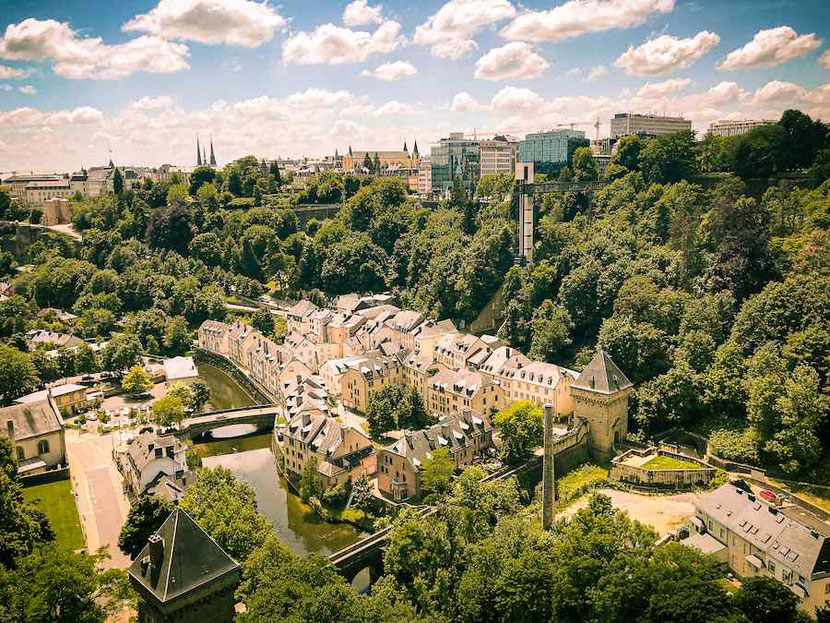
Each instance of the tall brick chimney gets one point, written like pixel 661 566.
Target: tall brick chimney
pixel 156 549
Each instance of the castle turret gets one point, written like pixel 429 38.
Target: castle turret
pixel 600 396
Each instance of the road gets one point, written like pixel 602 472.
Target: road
pixel 102 505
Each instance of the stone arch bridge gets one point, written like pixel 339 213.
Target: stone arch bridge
pixel 261 416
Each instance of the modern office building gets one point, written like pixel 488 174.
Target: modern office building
pixel 551 151
pixel 734 127
pixel 625 123
pixel 499 155
pixel 456 159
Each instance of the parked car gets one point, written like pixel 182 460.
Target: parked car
pixel 768 495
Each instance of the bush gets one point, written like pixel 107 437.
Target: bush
pixel 734 445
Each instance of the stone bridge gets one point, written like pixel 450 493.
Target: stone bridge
pixel 261 416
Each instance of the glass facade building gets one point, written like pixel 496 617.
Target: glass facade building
pixel 550 151
pixel 456 159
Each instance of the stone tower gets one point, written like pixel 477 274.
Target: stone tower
pixel 600 396
pixel 183 576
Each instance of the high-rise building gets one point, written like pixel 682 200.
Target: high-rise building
pixel 456 160
pixel 734 127
pixel 551 151
pixel 425 177
pixel 499 155
pixel 624 123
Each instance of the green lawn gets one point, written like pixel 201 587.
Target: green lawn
pixel 56 500
pixel 578 481
pixel 668 462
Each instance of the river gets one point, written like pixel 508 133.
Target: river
pixel 250 459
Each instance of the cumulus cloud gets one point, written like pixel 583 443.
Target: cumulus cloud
pixel 89 57
pixel 394 108
pixel 11 73
pixel 27 89
pixel 449 32
pixel 336 45
pixel 770 48
pixel 825 59
pixel 666 53
pixel 662 89
pixel 359 13
pixel 5 87
pixel 576 17
pixel 779 91
pixel 514 60
pixel 231 22
pixel 597 72
pixel 464 102
pixel 390 72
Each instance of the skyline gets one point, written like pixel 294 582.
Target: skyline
pixel 288 80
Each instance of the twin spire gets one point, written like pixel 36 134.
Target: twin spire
pixel 201 156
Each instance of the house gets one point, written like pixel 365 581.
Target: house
pixel 318 321
pixel 148 456
pixel 452 391
pixel 466 435
pixel 213 337
pixel 757 539
pixel 183 575
pixel 342 327
pixel 38 337
pixel 427 335
pixel 455 350
pixel 180 370
pixel 342 452
pixel 296 345
pixel 36 429
pixel 70 397
pixel 418 368
pixel 365 377
pixel 298 316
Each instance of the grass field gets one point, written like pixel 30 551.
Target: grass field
pixel 56 500
pixel 578 481
pixel 668 462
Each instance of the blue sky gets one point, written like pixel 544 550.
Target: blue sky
pixel 303 78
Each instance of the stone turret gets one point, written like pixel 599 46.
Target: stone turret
pixel 600 396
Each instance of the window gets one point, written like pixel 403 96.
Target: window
pixel 21 454
pixel 771 567
pixel 827 589
pixel 43 446
pixel 787 576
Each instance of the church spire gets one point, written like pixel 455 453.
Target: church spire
pixel 212 155
pixel 198 153
pixel 204 156
pixel 415 148
pixel 350 151
pixel 405 150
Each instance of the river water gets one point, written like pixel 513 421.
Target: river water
pixel 250 459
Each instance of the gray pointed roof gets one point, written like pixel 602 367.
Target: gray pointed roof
pixel 602 375
pixel 191 558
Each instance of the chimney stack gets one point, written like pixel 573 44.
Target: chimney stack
pixel 10 427
pixel 156 546
pixel 548 472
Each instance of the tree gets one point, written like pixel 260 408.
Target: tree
pixel 168 411
pixel 117 183
pixel 436 472
pixel 310 484
pixel 201 395
pixel 121 353
pixel 17 374
pixel 382 411
pixel 263 321
pixel 551 328
pixel 521 427
pixel 226 509
pixel 362 494
pixel 765 600
pixel 183 392
pixel 145 517
pixel 411 412
pixel 584 166
pixel 137 381
pixel 177 338
pixel 669 157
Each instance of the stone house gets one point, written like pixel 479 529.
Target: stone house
pixel 36 429
pixel 70 397
pixel 455 350
pixel 367 376
pixel 467 436
pixel 452 391
pixel 147 457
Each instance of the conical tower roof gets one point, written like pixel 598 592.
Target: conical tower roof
pixel 212 154
pixel 602 375
pixel 404 148
pixel 415 147
pixel 198 153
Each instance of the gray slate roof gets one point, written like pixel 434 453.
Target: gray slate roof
pixel 602 375
pixel 31 419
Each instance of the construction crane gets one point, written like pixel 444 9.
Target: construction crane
pixel 573 124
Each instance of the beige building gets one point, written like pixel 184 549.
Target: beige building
pixel 452 391
pixel 367 376
pixel 623 124
pixel 459 350
pixel 150 456
pixel 353 160
pixel 70 397
pixel 466 436
pixel 56 211
pixel 735 127
pixel 342 452
pixel 36 429
pixel 499 155
pixel 37 193
pixel 17 183
pixel 425 177
pixel 418 369
pixel 757 539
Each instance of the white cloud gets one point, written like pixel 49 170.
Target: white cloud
pixel 231 22
pixel 779 91
pixel 514 60
pixel 825 59
pixel 396 109
pixel 6 87
pixel 32 117
pixel 359 13
pixel 336 45
pixel 576 17
pixel 597 72
pixel 152 103
pixel 666 53
pixel 464 102
pixel 89 57
pixel 10 73
pixel 27 89
pixel 449 32
pixel 770 48
pixel 390 72
pixel 662 89
pixel 572 73
pixel 511 99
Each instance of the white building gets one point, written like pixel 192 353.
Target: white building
pixel 499 155
pixel 180 370
pixel 625 123
pixel 734 127
pixel 425 177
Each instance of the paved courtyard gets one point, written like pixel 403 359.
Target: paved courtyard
pixel 102 505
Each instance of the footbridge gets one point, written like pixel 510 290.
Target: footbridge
pixel 261 416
